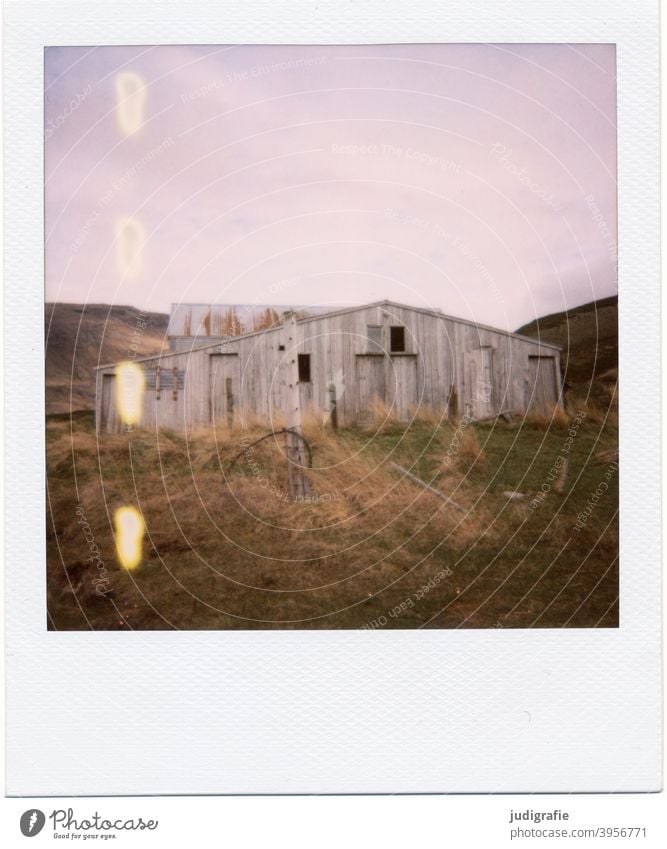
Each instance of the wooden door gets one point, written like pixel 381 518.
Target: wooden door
pixel 371 384
pixel 478 395
pixel 403 393
pixel 542 388
pixel 225 387
pixel 484 389
pixel 111 422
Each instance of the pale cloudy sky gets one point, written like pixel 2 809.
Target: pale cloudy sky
pixel 476 179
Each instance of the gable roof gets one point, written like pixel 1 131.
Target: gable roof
pixel 332 314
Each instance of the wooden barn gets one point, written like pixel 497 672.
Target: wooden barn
pixel 408 358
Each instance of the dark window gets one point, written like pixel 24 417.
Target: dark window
pixel 304 368
pixel 374 334
pixel 396 339
pixel 281 347
pixel 167 379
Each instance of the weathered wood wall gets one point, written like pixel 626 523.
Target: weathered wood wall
pixel 489 370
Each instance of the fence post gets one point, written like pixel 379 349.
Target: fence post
pixel 453 404
pixel 230 401
pixel 297 482
pixel 333 412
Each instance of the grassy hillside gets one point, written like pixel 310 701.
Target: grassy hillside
pixel 373 550
pixel 532 540
pixel 588 336
pixel 79 338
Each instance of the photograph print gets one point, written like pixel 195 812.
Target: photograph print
pixel 331 337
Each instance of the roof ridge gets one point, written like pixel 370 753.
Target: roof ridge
pixel 385 302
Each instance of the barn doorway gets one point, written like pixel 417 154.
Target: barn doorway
pixel 478 394
pixel 111 422
pixel 225 385
pixel 370 382
pixel 403 386
pixel 543 390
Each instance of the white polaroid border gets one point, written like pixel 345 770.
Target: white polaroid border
pixel 101 713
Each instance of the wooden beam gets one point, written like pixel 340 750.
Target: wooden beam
pixel 428 487
pixel 333 413
pixel 229 398
pixel 298 485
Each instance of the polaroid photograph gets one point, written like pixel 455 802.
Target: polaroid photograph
pixel 322 349
pixel 333 449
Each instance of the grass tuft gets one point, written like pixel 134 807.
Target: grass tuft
pixel 226 548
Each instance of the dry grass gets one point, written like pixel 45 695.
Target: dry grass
pixel 601 413
pixel 381 418
pixel 553 419
pixel 463 452
pixel 225 548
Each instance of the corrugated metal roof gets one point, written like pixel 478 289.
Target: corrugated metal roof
pixel 220 320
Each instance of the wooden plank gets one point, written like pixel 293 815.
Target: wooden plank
pixel 428 487
pixel 297 482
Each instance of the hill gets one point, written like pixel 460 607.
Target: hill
pixel 225 549
pixel 524 545
pixel 588 336
pixel 80 337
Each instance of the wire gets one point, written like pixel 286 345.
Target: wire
pixel 268 436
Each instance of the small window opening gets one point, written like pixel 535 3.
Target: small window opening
pixel 397 340
pixel 304 368
pixel 281 347
pixel 374 334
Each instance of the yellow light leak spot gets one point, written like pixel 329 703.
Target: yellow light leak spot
pixel 130 387
pixel 130 97
pixel 129 245
pixel 129 536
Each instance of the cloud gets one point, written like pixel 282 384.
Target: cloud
pixel 253 164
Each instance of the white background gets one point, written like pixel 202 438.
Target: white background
pixel 334 712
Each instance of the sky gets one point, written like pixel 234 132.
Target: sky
pixel 475 179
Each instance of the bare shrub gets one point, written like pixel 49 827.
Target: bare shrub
pixel 463 452
pixel 554 419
